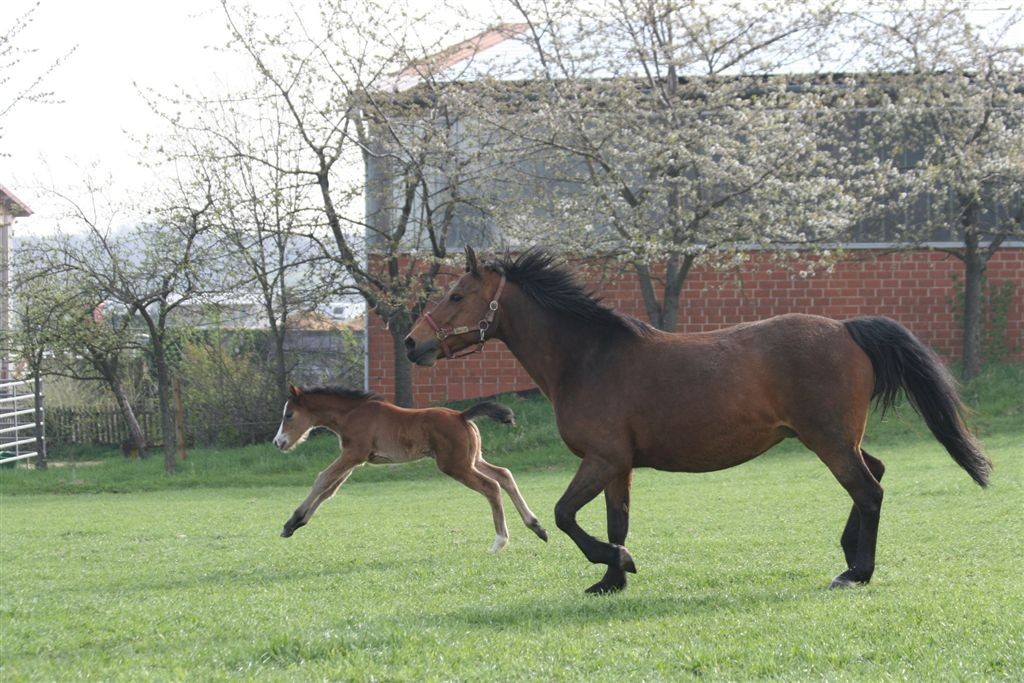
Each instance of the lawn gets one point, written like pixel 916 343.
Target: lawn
pixel 186 578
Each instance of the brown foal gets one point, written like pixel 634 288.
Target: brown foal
pixel 371 430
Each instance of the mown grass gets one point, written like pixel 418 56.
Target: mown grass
pixel 391 580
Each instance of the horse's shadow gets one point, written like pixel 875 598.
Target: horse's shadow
pixel 637 605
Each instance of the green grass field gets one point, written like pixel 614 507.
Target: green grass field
pixel 148 577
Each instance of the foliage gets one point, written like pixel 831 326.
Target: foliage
pixel 320 105
pixel 228 390
pixel 149 271
pixel 952 133
pixel 665 135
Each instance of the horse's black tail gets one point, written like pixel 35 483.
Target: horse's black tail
pixel 495 411
pixel 900 361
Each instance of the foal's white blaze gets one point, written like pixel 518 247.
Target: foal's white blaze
pixel 280 440
pixel 499 543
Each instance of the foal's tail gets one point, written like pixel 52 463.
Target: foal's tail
pixel 900 361
pixel 495 411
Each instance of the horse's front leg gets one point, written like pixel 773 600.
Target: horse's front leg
pixel 593 475
pixel 325 486
pixel 616 498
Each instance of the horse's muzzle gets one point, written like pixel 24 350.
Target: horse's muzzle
pixel 424 353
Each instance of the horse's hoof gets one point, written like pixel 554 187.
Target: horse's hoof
pixel 604 587
pixel 626 563
pixel 845 580
pixel 540 531
pixel 286 532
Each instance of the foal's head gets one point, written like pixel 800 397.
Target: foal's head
pixel 463 318
pixel 296 421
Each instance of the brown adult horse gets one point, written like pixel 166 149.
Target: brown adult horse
pixel 371 430
pixel 626 395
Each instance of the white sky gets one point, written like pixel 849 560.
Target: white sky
pixel 119 42
pixel 120 47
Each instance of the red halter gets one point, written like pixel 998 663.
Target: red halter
pixel 442 333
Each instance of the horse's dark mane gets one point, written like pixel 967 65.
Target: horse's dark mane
pixel 541 277
pixel 343 392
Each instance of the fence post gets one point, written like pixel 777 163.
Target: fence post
pixel 40 429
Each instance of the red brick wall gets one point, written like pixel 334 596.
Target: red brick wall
pixel 915 288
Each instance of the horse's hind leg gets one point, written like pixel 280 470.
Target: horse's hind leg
pixel 854 474
pixel 852 530
pixel 508 482
pixel 480 482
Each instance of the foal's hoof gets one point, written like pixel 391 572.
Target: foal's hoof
pixel 286 532
pixel 626 563
pixel 540 531
pixel 846 580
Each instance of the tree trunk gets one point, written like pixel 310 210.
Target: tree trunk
pixel 664 314
pixel 163 390
pixel 399 326
pixel 138 438
pixel 651 303
pixel 974 277
pixel 280 364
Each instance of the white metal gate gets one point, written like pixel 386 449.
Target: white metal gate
pixel 18 425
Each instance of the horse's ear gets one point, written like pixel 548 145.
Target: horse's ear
pixel 471 266
pixel 294 390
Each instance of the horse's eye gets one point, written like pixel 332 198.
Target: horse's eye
pixel 455 298
pixel 288 416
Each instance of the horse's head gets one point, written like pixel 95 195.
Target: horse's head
pixel 464 317
pixel 296 421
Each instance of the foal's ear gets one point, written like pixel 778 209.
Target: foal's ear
pixel 294 390
pixel 471 266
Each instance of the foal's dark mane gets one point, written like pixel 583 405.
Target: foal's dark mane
pixel 342 392
pixel 541 277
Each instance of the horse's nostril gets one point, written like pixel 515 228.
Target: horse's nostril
pixel 410 343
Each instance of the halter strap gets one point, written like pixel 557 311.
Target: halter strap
pixel 482 326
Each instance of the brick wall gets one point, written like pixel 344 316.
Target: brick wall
pixel 915 288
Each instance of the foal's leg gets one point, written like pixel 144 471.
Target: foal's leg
pixel 593 475
pixel 852 472
pixel 508 482
pixel 465 473
pixel 325 486
pixel 616 498
pixel 852 529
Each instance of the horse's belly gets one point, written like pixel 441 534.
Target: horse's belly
pixel 711 452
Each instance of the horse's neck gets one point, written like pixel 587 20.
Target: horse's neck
pixel 546 344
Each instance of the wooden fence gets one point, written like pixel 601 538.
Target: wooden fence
pixel 203 425
pixel 66 426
